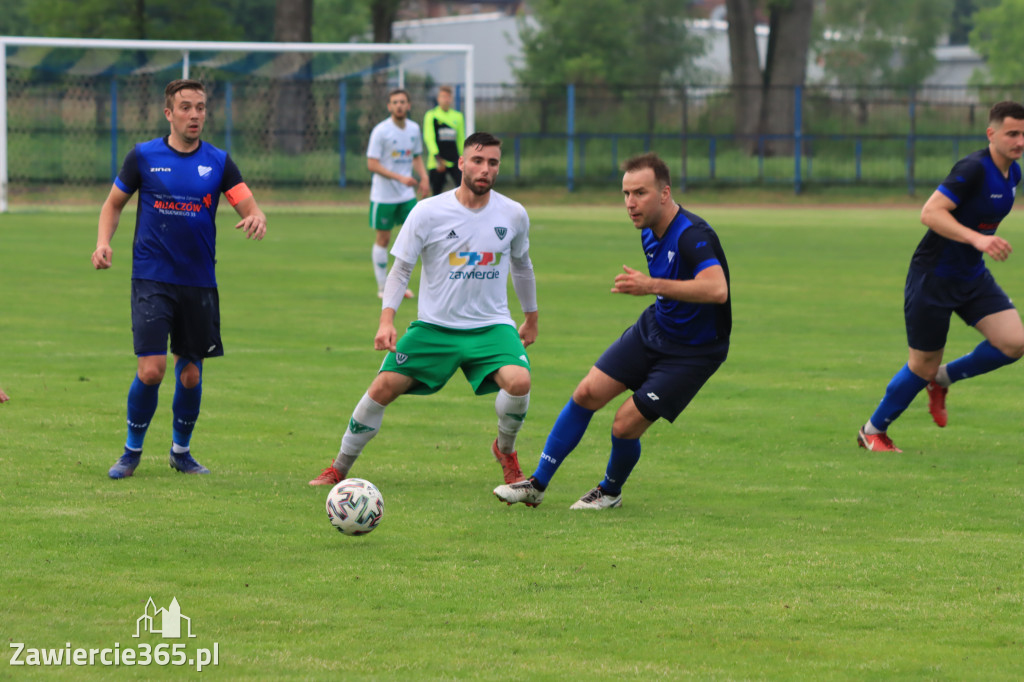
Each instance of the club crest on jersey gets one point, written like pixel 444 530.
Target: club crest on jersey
pixel 501 232
pixel 204 171
pixel 401 358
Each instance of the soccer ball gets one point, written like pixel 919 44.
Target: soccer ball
pixel 355 506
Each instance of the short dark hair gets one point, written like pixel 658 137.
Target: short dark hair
pixel 445 88
pixel 481 140
pixel 176 86
pixel 1003 110
pixel 652 161
pixel 399 91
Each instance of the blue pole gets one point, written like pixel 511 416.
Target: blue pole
pixel 342 132
pixel 113 128
pixel 228 118
pixel 570 132
pixel 798 135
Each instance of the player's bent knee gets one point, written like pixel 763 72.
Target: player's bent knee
pixel 925 370
pixel 151 373
pixel 1014 349
pixel 387 386
pixel 629 423
pixel 519 385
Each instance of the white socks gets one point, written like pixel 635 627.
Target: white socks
pixel 362 427
pixel 380 265
pixel 511 411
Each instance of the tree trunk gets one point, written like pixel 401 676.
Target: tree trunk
pixel 764 101
pixel 789 40
pixel 746 70
pixel 293 106
pixel 382 14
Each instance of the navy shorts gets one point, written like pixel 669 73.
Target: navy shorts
pixel 929 302
pixel 663 384
pixel 189 315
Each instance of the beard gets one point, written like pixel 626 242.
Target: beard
pixel 478 190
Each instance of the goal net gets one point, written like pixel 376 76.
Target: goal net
pixel 293 115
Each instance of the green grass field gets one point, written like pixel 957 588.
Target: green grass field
pixel 755 540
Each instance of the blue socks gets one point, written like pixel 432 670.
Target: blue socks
pixel 185 407
pixel 984 358
pixel 625 455
pixel 900 392
pixel 142 401
pixel 565 435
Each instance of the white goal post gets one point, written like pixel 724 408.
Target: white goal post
pixel 186 47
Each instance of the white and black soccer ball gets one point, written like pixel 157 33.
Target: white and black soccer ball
pixel 355 506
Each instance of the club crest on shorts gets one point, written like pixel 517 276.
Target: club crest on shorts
pixel 401 358
pixel 501 232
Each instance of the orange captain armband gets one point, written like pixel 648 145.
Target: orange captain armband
pixel 238 194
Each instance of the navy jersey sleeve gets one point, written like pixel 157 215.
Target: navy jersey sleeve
pixel 130 178
pixel 963 180
pixel 232 176
pixel 697 247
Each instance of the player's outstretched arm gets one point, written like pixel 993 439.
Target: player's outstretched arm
pixel 937 215
pixel 709 286
pixel 110 214
pixel 375 166
pixel 253 222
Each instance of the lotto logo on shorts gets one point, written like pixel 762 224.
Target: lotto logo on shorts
pixel 458 258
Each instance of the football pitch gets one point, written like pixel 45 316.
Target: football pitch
pixel 756 541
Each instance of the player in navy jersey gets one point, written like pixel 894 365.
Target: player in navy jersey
pixel 675 346
pixel 179 179
pixel 948 274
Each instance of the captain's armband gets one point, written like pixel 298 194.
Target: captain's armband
pixel 238 194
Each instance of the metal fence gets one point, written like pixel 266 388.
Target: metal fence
pixel 66 130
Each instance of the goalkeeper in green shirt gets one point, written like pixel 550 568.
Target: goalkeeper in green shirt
pixel 444 130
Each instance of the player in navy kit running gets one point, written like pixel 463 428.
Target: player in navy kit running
pixel 948 274
pixel 179 179
pixel 665 357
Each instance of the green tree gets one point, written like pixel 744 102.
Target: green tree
pixel 340 21
pixel 14 18
pixel 643 42
pixel 138 19
pixel 881 42
pixel 996 37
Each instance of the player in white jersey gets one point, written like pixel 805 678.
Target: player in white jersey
pixel 393 154
pixel 470 239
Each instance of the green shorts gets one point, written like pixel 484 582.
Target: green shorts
pixel 386 216
pixel 431 354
